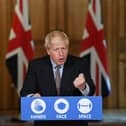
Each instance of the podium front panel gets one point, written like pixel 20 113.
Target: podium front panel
pixel 61 108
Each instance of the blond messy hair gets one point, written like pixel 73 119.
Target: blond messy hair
pixel 53 34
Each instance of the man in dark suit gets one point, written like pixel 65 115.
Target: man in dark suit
pixel 75 78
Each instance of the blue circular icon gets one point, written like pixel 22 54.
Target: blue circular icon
pixel 84 105
pixel 38 106
pixel 61 106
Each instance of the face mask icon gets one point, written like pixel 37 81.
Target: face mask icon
pixel 61 106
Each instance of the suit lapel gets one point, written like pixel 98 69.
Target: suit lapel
pixel 50 76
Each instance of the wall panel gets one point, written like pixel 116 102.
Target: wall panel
pixel 107 6
pixel 39 18
pixel 61 15
pixel 75 22
pixel 8 95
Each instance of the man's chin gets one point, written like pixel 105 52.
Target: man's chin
pixel 61 62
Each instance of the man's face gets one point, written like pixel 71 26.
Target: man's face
pixel 58 50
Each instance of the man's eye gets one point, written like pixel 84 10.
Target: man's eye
pixel 63 48
pixel 55 49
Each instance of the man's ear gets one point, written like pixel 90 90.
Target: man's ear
pixel 48 52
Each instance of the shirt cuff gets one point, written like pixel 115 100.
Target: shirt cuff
pixel 85 91
pixel 30 95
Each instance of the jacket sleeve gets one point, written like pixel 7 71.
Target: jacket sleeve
pixel 84 68
pixel 29 86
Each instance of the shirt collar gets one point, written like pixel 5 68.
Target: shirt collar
pixel 54 64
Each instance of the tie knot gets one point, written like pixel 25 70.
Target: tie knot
pixel 58 66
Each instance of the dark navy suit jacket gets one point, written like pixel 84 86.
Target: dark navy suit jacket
pixel 40 79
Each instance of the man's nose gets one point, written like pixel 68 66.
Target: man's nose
pixel 60 52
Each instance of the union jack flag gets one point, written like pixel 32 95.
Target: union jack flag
pixel 20 45
pixel 94 49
